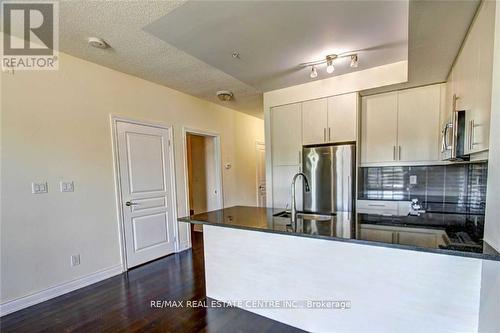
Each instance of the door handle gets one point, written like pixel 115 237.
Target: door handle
pixel 445 145
pixel 394 153
pixel 324 134
pixel 130 203
pixel 329 135
pixel 399 153
pixel 472 134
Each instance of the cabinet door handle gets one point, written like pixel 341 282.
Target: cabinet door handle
pixel 300 157
pixel 471 128
pixel 472 134
pixel 329 135
pixel 324 134
pixel 394 153
pixel 399 153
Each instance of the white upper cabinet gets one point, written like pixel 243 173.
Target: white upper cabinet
pixel 402 126
pixel 418 124
pixel 379 128
pixel 471 76
pixel 286 134
pixel 329 120
pixel 478 118
pixel 342 117
pixel 314 121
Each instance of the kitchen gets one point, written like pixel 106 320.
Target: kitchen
pixel 397 179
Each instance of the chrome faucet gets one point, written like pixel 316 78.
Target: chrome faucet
pixel 293 212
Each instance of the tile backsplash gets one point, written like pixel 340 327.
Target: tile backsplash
pixel 454 188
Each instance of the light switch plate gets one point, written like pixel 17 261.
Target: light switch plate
pixel 39 188
pixel 67 186
pixel 413 180
pixel 75 260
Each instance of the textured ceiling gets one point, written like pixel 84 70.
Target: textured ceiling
pixel 273 37
pixel 135 52
pixel 436 31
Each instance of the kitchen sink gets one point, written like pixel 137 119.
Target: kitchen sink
pixel 305 216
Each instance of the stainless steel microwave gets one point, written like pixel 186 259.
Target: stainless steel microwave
pixel 453 138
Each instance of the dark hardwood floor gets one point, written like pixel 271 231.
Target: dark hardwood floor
pixel 122 303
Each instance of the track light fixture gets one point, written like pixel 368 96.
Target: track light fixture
pixel 329 65
pixel 330 68
pixel 314 73
pixel 354 60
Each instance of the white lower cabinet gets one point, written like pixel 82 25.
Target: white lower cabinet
pixel 383 207
pixel 377 235
pixel 429 238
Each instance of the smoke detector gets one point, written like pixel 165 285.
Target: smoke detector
pixel 224 95
pixel 98 43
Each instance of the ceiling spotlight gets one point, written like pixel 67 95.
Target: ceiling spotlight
pixel 329 66
pixel 354 61
pixel 98 43
pixel 224 95
pixel 328 60
pixel 314 73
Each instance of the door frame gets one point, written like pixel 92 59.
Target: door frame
pixel 259 144
pixel 114 119
pixel 218 165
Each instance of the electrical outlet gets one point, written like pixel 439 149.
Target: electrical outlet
pixel 413 180
pixel 67 186
pixel 39 188
pixel 75 260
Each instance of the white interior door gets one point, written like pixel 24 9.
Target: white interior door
pixel 261 175
pixel 144 163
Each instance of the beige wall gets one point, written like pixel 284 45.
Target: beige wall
pixel 56 126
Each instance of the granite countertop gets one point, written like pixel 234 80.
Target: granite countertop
pixel 351 227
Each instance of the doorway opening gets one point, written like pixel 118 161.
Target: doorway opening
pixel 260 150
pixel 204 181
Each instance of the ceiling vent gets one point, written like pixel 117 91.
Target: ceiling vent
pixel 224 95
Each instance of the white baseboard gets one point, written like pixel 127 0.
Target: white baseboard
pixel 184 246
pixel 46 294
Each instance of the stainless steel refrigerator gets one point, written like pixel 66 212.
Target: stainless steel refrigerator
pixel 330 170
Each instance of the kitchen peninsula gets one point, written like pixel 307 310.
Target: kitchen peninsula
pixel 251 254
